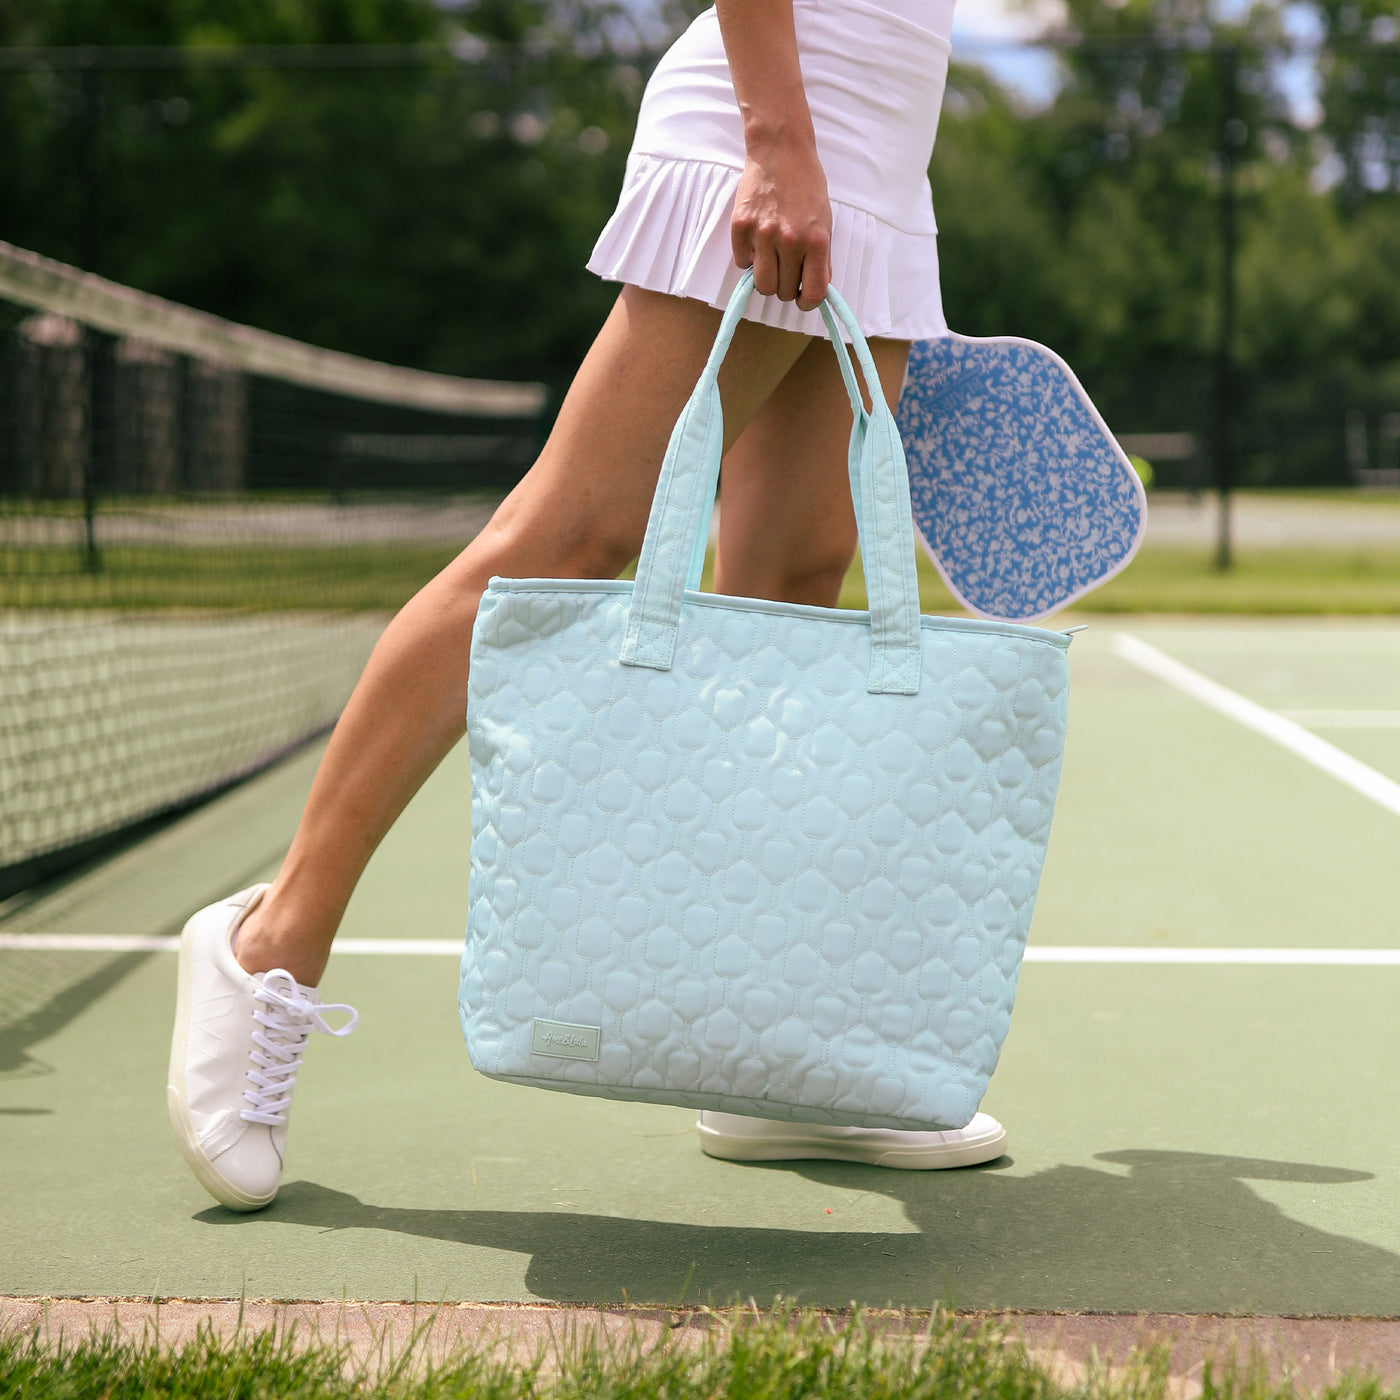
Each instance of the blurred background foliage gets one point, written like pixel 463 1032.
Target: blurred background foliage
pixel 1093 224
pixel 434 212
pixel 437 210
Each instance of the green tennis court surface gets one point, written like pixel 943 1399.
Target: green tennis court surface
pixel 1195 1136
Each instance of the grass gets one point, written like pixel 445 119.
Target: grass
pixel 381 576
pixel 1262 582
pixel 267 551
pixel 782 1355
pixel 352 578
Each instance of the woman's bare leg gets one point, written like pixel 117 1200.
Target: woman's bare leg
pixel 787 527
pixel 580 512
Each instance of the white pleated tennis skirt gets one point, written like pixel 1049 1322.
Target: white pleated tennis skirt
pixel 874 72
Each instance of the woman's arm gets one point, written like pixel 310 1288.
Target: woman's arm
pixel 782 217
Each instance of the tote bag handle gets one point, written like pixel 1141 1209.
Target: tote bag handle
pixel 673 550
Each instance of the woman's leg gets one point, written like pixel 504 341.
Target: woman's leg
pixel 787 527
pixel 580 512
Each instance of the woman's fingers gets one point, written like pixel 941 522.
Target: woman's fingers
pixel 782 227
pixel 766 273
pixel 816 275
pixel 790 258
pixel 794 268
pixel 782 268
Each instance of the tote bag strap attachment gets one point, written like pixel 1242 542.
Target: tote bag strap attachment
pixel 673 550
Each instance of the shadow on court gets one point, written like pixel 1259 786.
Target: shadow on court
pixel 1175 1231
pixel 56 999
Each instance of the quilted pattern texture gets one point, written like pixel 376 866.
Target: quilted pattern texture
pixel 772 891
pixel 1023 497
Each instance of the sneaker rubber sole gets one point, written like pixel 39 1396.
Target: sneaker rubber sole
pixel 983 1140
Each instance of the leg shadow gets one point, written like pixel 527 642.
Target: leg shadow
pixel 1179 1232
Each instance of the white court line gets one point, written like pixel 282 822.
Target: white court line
pixel 1221 957
pixel 120 943
pixel 1345 719
pixel 1284 732
pixel 1038 953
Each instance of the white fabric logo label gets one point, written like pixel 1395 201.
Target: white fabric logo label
pixel 566 1041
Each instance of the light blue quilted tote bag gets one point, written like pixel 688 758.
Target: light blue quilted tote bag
pixel 753 856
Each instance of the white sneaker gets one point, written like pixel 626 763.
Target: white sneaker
pixel 738 1138
pixel 239 1038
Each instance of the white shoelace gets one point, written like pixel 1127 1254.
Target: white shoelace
pixel 288 1016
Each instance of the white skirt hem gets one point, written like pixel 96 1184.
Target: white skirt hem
pixel 670 233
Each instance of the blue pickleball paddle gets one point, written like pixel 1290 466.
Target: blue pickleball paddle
pixel 1021 495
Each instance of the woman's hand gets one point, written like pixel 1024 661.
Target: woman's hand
pixel 782 222
pixel 782 217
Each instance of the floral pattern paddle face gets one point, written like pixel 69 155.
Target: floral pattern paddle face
pixel 1021 495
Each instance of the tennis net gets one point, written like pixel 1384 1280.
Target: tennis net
pixel 203 529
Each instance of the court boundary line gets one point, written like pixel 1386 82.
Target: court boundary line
pixel 1344 719
pixel 1084 955
pixel 1288 734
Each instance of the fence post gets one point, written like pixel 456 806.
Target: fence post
pixel 1232 135
pixel 91 243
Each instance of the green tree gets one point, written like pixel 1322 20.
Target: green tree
pixel 1360 69
pixel 436 213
